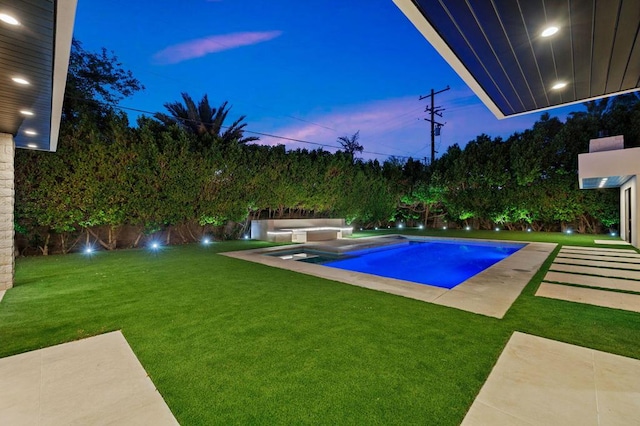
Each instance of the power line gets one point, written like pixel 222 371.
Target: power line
pixel 244 130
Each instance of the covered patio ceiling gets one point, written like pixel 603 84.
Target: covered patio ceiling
pixel 35 41
pixel 499 50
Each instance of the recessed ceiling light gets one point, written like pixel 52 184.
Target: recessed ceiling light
pixel 549 31
pixel 32 145
pixel 26 112
pixel 20 80
pixel 31 132
pixel 9 19
pixel 559 85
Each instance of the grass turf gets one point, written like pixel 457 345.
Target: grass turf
pixel 232 342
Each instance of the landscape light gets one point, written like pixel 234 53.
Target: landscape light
pixel 528 229
pixel 497 229
pixel 361 229
pixel 246 237
pixel 88 250
pixel 206 241
pixel 400 226
pixel 568 231
pixel 468 228
pixel 613 234
pixel 376 228
pixel 444 227
pixel 421 227
pixel 155 246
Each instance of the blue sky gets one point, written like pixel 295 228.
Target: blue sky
pixel 312 70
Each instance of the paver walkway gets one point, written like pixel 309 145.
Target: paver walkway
pixel 538 381
pixel 595 276
pixel 94 381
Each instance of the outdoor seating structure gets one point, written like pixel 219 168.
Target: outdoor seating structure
pixel 609 165
pixel 299 230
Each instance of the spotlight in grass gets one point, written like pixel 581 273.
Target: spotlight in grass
pixel 155 246
pixel 88 250
pixel 468 228
pixel 613 234
pixel 569 231
pixel 361 229
pixel 400 226
pixel 444 228
pixel 497 229
pixel 206 241
pixel 375 229
pixel 388 226
pixel 528 229
pixel 421 227
pixel 246 237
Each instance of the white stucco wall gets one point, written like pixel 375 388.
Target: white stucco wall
pixel 635 211
pixel 7 149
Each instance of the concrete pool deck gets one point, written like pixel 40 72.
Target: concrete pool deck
pixel 490 293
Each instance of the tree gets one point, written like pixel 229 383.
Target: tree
pixel 350 144
pixel 96 81
pixel 205 121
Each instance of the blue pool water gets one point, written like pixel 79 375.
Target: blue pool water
pixel 438 263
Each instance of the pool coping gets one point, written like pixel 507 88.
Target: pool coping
pixel 490 293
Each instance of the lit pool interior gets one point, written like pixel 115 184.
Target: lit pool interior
pixel 439 263
pixel 442 264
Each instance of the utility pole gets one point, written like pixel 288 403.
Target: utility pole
pixel 433 111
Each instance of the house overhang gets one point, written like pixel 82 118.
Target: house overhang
pixel 37 50
pixel 497 49
pixel 608 169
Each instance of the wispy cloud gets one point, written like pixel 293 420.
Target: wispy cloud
pixel 212 44
pixel 396 126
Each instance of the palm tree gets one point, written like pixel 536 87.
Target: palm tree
pixel 203 119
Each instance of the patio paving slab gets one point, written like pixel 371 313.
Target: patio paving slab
pixel 599 263
pixel 538 381
pixel 628 254
pixel 94 381
pixel 626 258
pixel 590 296
pixel 591 281
pixel 612 242
pixel 604 250
pixel 603 272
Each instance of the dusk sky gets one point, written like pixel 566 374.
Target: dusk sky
pixel 312 70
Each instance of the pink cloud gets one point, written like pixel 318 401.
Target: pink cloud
pixel 212 44
pixel 396 126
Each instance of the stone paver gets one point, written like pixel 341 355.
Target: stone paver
pixel 612 242
pixel 591 281
pixel 608 299
pixel 491 292
pixel 94 381
pixel 598 263
pixel 605 250
pixel 627 258
pixel 538 381
pixel 589 270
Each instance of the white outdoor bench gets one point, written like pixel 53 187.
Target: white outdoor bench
pixel 299 230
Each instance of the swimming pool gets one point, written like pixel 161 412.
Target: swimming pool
pixel 442 264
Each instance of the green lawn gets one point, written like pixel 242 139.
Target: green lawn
pixel 232 342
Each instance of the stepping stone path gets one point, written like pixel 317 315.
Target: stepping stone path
pixel 595 276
